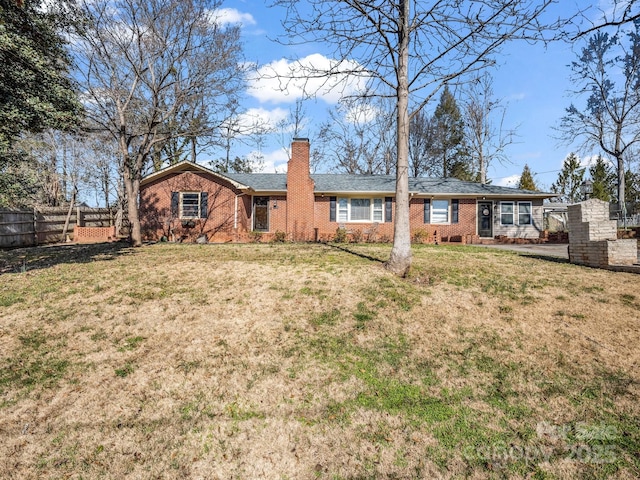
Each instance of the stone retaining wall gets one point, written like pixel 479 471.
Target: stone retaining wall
pixel 593 237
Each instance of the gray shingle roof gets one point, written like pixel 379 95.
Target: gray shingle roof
pixel 261 182
pixel 343 183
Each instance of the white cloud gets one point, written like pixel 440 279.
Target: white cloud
pixel 227 16
pixel 272 162
pixel 510 181
pixel 282 81
pixel 362 113
pixel 517 96
pixel 256 119
pixel 590 161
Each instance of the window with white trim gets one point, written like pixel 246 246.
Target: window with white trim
pixel 360 210
pixel 439 211
pixel 524 213
pixel 377 210
pixel 506 213
pixel 189 204
pixel 516 213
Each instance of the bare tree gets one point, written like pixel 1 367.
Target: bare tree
pixel 620 13
pixel 356 136
pixel 607 72
pixel 149 68
pixel 422 132
pixel 101 170
pixel 407 50
pixel 486 137
pixel 292 126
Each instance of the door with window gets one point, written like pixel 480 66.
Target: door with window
pixel 485 219
pixel 261 214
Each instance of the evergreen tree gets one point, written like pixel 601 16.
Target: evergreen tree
pixel 603 180
pixel 567 186
pixel 449 132
pixel 461 169
pixel 526 180
pixel 237 165
pixel 632 181
pixel 35 88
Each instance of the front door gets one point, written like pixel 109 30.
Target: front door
pixel 485 219
pixel 261 214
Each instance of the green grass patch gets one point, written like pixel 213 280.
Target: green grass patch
pixel 125 370
pixel 131 343
pixel 10 298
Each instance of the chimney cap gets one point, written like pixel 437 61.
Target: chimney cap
pixel 301 140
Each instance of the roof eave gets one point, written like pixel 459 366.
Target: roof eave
pixel 179 167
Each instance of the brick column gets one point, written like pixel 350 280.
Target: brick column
pixel 593 237
pixel 300 198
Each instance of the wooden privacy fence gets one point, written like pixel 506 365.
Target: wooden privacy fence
pixel 24 228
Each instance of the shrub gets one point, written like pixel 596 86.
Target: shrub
pixel 255 237
pixel 340 236
pixel 279 237
pixel 420 236
pixel 356 236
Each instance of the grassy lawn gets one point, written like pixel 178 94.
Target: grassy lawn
pixel 310 362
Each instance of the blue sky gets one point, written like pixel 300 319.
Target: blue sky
pixel 532 81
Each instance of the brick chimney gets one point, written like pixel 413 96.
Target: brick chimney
pixel 300 198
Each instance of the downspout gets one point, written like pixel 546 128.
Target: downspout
pixel 235 215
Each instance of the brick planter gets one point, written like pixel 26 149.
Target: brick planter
pixel 94 234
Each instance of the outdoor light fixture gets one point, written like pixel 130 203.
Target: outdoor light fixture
pixel 275 204
pixel 586 188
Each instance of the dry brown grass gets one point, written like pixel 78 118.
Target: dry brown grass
pixel 305 361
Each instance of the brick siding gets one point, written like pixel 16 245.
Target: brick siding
pixel 221 224
pixel 300 198
pixel 301 214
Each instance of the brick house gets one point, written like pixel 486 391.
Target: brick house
pixel 187 201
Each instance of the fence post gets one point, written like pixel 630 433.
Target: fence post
pixel 35 227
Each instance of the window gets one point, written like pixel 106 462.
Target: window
pixel 343 210
pixel 189 204
pixel 359 210
pixel 506 213
pixel 509 215
pixel 524 213
pixel 440 211
pixel 377 209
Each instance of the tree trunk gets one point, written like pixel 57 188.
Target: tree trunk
pixel 622 204
pixel 132 189
pixel 400 260
pixel 67 220
pixel 483 169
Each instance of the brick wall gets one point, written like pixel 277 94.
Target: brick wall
pixel 300 197
pixel 94 234
pixel 383 231
pixel 369 231
pixel 221 224
pixel 451 232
